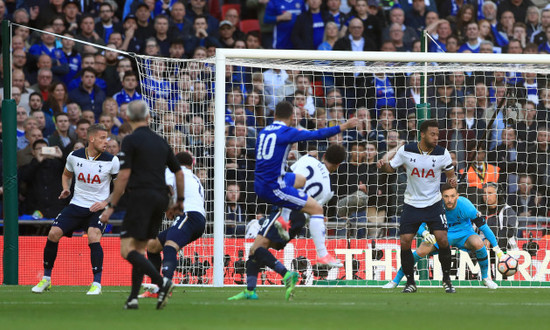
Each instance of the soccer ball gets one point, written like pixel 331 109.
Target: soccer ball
pixel 507 265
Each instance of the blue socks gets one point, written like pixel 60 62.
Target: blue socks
pixel 252 270
pixel 50 253
pixel 96 257
pixel 264 257
pixel 170 261
pixel 481 256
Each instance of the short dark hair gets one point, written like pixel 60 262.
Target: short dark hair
pixel 184 158
pixel 89 70
pixel 61 114
pixel 129 73
pixel 447 186
pixel 335 154
pixel 428 123
pixel 43 141
pixel 284 110
pixel 96 128
pixel 82 121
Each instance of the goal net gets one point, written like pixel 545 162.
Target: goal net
pixel 493 114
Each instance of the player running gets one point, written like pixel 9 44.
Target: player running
pixel 94 169
pixel 272 183
pixel 185 229
pixel 424 161
pixel 460 213
pixel 317 186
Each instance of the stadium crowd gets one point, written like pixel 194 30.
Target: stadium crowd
pixel 61 87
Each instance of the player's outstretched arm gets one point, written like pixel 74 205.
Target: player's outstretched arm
pixel 384 164
pixel 351 123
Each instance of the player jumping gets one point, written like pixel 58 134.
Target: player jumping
pixel 272 183
pixel 94 169
pixel 460 213
pixel 318 187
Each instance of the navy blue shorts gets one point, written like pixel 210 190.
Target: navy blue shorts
pixel 412 217
pixel 284 195
pixel 186 228
pixel 268 230
pixel 75 217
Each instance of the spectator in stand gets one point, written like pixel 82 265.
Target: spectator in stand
pixel 57 100
pixel 489 10
pixel 107 25
pixel 372 27
pixel 545 47
pixel 18 81
pixel 226 32
pixel 309 26
pixel 45 124
pixel 330 37
pixel 71 13
pixel 266 29
pixel 200 37
pixel 252 40
pixel 110 107
pixel 471 119
pixel 62 137
pixel 131 42
pixel 82 130
pixel 539 36
pixel 416 17
pixel 113 147
pixel 45 79
pixel 25 155
pixel 517 7
pixel 88 61
pixel 283 14
pixel 73 57
pixel 107 120
pixel 473 41
pixel 333 7
pixel 35 102
pixel 457 137
pixel 235 212
pixel 87 33
pixel 42 179
pixel 88 95
pixel 128 92
pixel 21 116
pixel 255 109
pixel 47 46
pixel 532 21
pixel 444 98
pixel 274 84
pixel 177 49
pixel 538 158
pixel 396 38
pixel 178 19
pixel 507 21
pixel 527 201
pixel 46 62
pixel 440 31
pixel 163 34
pixel 409 97
pixel 198 8
pixel 466 15
pixel 520 33
pixel 527 122
pixel 144 28
pixel 232 15
pixel 74 112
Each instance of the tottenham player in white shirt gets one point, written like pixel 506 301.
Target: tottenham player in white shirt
pixel 186 228
pixel 317 185
pixel 93 169
pixel 424 161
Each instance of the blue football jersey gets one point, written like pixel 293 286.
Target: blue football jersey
pixel 462 215
pixel 272 147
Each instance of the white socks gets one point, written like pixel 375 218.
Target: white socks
pixel 318 234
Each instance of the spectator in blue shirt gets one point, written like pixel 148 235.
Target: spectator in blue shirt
pixel 309 27
pixel 283 15
pixel 128 92
pixel 88 95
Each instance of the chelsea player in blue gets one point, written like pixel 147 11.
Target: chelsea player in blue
pixel 271 182
pixel 460 214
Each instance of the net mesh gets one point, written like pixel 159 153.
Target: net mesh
pixel 363 216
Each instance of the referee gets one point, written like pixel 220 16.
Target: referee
pixel 143 158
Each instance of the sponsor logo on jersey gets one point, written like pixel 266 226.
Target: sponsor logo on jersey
pixel 89 178
pixel 423 173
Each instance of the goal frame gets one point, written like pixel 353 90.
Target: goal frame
pixel 221 59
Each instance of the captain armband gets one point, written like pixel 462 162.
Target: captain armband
pixel 479 221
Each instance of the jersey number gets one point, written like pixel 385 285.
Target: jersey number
pixel 266 147
pixel 314 184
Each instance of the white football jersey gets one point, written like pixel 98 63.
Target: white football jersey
pixel 193 190
pixel 423 173
pixel 317 178
pixel 92 176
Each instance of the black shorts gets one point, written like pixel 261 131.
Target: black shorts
pixel 186 228
pixel 75 217
pixel 144 213
pixel 412 217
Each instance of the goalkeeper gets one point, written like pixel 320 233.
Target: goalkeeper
pixel 460 214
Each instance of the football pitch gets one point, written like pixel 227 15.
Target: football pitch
pixel 68 307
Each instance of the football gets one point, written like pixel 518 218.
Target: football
pixel 507 265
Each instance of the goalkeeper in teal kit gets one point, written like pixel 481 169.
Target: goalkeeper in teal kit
pixel 459 213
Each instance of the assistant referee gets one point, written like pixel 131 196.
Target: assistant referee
pixel 143 158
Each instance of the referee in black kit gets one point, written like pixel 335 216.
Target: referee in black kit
pixel 143 158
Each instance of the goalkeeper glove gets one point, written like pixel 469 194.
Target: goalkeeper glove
pixel 429 238
pixel 498 252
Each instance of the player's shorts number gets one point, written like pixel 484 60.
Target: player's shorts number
pixel 266 147
pixel 443 220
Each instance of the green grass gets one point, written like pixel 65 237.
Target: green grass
pixel 313 308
